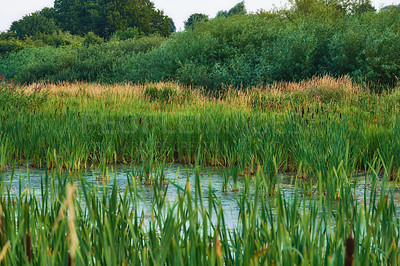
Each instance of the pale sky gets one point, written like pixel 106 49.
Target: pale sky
pixel 178 10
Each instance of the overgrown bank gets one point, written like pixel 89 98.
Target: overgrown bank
pixel 304 127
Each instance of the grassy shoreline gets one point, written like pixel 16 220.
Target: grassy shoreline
pixel 306 127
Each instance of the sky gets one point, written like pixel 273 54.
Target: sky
pixel 178 10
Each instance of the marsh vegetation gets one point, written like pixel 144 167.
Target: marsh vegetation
pixel 337 140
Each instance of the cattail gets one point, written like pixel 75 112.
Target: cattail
pixel 340 115
pixel 312 116
pixel 69 263
pixel 317 111
pixel 302 112
pixel 28 247
pixel 349 251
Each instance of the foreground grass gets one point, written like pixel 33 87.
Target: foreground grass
pixel 75 223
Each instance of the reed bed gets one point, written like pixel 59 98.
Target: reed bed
pixel 306 128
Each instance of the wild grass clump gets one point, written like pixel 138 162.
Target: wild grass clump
pixel 318 91
pixel 13 96
pixel 165 94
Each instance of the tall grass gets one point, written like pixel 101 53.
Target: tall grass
pixel 305 128
pixel 82 224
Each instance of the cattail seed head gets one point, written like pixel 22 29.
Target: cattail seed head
pixel 28 247
pixel 349 251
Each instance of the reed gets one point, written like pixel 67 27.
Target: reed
pixel 109 226
pixel 309 127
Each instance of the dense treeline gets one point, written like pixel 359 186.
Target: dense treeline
pixel 102 17
pixel 310 38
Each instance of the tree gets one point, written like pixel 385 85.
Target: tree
pixel 173 27
pixel 194 19
pixel 222 13
pixel 129 33
pixel 105 17
pixel 361 6
pixel 238 9
pixel 42 21
pixel 332 7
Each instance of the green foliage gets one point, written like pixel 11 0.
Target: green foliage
pixel 311 38
pixel 104 18
pixel 12 45
pixel 129 33
pixel 173 27
pixel 222 13
pixel 92 39
pixel 40 22
pixel 101 62
pixel 194 19
pixel 238 9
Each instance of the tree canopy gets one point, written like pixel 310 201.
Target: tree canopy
pixel 238 9
pixel 38 22
pixel 102 17
pixel 195 18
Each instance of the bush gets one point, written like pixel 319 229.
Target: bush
pixel 239 51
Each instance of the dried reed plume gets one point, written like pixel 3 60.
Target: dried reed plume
pixel 69 203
